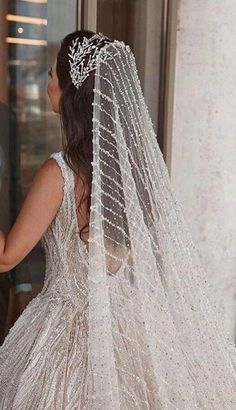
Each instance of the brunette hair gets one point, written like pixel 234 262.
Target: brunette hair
pixel 76 112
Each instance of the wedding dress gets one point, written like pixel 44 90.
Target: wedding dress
pixel 43 360
pixel 132 323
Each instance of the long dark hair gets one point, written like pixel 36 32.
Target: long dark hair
pixel 76 111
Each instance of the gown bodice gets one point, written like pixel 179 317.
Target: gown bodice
pixel 66 253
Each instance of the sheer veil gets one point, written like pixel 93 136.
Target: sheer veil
pixel 156 340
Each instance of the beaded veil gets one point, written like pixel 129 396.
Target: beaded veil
pixel 155 334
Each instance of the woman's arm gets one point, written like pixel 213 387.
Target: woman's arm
pixel 2 242
pixel 39 208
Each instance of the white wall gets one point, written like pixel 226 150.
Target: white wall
pixel 203 169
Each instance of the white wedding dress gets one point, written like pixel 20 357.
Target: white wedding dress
pixel 43 360
pixel 133 323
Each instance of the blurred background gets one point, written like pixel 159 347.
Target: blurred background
pixel 187 68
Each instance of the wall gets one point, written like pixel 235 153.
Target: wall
pixel 203 166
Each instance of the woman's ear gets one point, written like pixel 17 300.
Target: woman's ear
pixel 53 89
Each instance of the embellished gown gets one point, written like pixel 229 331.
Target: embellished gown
pixel 43 359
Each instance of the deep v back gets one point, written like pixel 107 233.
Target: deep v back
pixel 66 253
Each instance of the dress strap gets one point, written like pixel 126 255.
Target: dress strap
pixel 67 173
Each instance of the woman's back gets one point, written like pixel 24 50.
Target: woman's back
pixel 48 343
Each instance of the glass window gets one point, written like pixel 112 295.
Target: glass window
pixel 29 130
pixel 140 24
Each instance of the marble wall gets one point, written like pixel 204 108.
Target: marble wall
pixel 203 168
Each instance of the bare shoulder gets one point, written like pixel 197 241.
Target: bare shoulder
pixel 47 183
pixel 38 210
pixel 50 173
pixel 49 165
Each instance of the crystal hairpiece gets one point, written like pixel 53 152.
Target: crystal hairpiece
pixel 78 51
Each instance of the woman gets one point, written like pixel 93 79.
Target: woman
pixel 125 319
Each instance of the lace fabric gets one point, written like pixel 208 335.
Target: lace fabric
pixel 43 360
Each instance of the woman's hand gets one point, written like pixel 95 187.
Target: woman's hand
pixel 39 208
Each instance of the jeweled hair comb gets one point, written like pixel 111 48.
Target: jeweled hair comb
pixel 79 71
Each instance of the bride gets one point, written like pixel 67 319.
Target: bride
pixel 126 318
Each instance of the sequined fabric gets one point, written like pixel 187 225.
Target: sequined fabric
pixel 155 338
pixel 132 324
pixel 43 360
